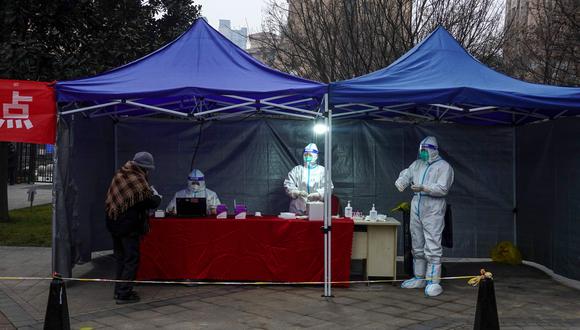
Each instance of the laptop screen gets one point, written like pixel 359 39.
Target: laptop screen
pixel 191 207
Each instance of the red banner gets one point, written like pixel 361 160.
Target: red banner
pixel 28 112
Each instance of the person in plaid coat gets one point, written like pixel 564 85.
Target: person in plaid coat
pixel 127 205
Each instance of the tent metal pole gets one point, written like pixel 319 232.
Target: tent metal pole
pixel 329 185
pixel 285 107
pixel 269 110
pixel 233 106
pixel 108 113
pixel 287 103
pixel 230 115
pixel 268 107
pixel 104 105
pixel 482 108
pixel 467 114
pixel 54 181
pixel 147 106
pixel 446 106
pixel 408 114
pixel 354 113
pixel 560 114
pixel 327 201
pixel 482 118
pixel 368 106
pixel 514 182
pixel 326 293
pixel 522 113
pixel 286 114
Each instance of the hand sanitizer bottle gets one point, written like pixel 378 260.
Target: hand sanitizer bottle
pixel 348 211
pixel 373 214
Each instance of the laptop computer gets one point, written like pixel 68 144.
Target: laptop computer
pixel 191 207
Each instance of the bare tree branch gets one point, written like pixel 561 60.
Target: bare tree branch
pixel 331 40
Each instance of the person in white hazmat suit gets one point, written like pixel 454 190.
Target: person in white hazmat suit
pixel 305 183
pixel 430 178
pixel 196 188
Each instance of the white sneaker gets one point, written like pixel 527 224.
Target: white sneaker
pixel 433 290
pixel 414 283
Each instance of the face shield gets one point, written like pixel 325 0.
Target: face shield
pixel 310 157
pixel 427 151
pixel 195 183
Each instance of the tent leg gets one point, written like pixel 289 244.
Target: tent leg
pixel 55 181
pixel 327 200
pixel 53 224
pixel 329 185
pixel 514 183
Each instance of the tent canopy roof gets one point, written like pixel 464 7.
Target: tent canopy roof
pixel 201 62
pixel 440 71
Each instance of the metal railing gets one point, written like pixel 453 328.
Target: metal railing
pixel 33 162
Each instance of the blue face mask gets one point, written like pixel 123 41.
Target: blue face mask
pixel 424 155
pixel 308 159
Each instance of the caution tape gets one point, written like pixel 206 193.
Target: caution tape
pixel 76 279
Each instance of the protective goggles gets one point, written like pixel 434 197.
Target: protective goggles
pixel 314 152
pixel 195 178
pixel 428 146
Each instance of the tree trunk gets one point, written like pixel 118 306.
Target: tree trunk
pixel 4 182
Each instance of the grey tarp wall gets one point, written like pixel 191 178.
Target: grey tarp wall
pixel 248 160
pixel 548 194
pixel 85 151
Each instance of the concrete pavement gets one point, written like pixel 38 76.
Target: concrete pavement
pixel 526 297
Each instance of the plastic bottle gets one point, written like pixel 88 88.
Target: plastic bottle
pixel 373 214
pixel 348 211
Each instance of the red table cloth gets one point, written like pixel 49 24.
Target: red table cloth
pixel 255 249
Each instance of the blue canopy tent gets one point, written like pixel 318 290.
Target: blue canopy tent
pixel 191 77
pixel 201 75
pixel 439 80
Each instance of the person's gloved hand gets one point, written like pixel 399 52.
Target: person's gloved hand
pixel 314 197
pixel 297 193
pixel 417 187
pixel 399 186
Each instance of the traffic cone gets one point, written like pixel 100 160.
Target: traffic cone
pixel 486 310
pixel 57 317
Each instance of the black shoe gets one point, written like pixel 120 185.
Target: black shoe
pixel 131 298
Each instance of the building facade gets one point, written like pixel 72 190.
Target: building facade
pixel 237 36
pixel 543 41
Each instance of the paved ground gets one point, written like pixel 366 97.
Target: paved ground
pixel 526 297
pixel 18 197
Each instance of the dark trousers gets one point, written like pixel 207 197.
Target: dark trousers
pixel 126 249
pixel 11 175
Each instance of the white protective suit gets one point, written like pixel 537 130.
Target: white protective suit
pixel 196 188
pixel 305 182
pixel 431 181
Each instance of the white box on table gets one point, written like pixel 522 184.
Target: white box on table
pixel 315 210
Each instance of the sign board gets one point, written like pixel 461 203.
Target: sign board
pixel 28 112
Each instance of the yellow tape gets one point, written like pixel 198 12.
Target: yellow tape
pixel 20 278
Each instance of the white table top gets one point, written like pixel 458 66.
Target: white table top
pixel 388 222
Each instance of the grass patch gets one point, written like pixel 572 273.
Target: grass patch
pixel 28 227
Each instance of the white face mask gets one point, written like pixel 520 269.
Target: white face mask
pixel 193 185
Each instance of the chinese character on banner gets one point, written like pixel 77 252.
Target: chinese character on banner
pixel 28 112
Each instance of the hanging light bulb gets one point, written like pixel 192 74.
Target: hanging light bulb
pixel 320 128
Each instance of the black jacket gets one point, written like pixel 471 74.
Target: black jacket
pixel 134 221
